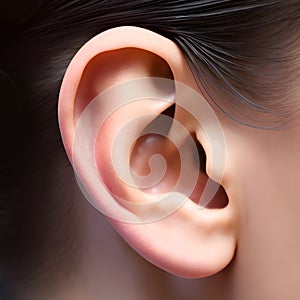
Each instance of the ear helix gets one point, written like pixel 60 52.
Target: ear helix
pixel 176 147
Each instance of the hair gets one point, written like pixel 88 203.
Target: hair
pixel 244 55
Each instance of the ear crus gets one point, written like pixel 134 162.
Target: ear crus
pixel 126 117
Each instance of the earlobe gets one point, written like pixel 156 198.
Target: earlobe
pixel 112 115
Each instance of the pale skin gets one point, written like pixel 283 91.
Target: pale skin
pixel 246 250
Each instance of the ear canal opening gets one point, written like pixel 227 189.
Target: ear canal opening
pixel 220 199
pixel 149 144
pixel 169 112
pixel 160 123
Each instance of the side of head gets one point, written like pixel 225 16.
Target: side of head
pixel 241 60
pixel 191 242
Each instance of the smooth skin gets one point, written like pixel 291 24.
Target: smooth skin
pixel 248 249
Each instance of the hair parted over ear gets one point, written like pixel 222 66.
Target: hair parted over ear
pixel 133 125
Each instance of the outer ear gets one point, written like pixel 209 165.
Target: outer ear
pixel 191 241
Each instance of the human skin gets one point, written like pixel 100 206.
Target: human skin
pixel 246 250
pixel 254 253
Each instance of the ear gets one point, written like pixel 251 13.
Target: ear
pixel 124 102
